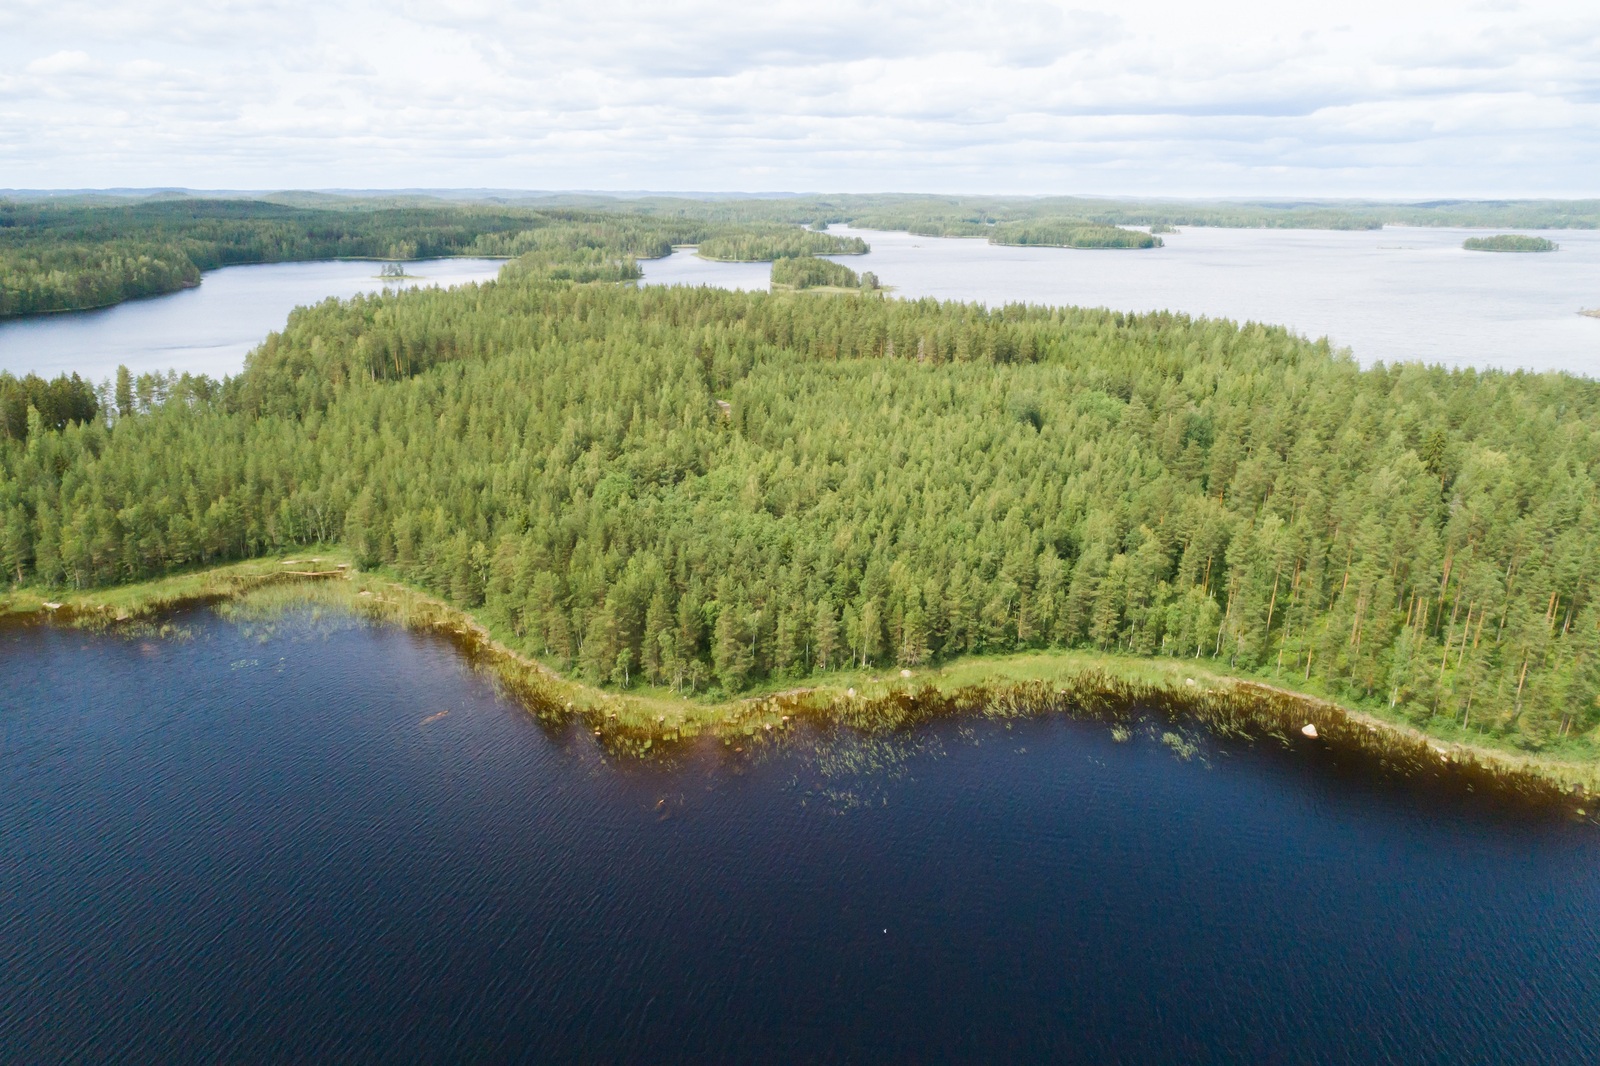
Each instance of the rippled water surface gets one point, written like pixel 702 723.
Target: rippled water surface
pixel 204 330
pixel 1393 294
pixel 271 843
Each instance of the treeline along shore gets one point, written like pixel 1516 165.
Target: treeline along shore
pixel 75 253
pixel 1174 696
pixel 71 256
pixel 701 493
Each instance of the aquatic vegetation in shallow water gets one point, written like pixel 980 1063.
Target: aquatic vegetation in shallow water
pixel 1181 746
pixel 654 728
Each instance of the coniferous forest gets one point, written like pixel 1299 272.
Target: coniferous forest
pixel 809 272
pixel 772 242
pixel 84 252
pixel 56 257
pixel 1509 242
pixel 73 256
pixel 705 489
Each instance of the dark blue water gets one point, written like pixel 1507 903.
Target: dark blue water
pixel 251 845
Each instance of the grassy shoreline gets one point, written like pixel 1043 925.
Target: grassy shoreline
pixel 1075 682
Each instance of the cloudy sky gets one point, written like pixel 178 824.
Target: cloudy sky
pixel 1355 98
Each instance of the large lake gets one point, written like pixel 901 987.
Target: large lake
pixel 270 843
pixel 207 329
pixel 1393 294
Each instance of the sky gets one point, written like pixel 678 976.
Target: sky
pixel 1140 97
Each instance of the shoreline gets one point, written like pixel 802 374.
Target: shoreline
pixel 715 259
pixel 1083 684
pixel 26 315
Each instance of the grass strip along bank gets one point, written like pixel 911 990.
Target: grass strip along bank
pixel 1115 689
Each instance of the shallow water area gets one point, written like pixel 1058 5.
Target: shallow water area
pixel 312 837
pixel 208 329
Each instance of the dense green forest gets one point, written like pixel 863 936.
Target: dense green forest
pixel 1509 242
pixel 807 272
pixel 93 251
pixel 53 403
pixel 774 242
pixel 703 489
pixel 1070 233
pixel 56 257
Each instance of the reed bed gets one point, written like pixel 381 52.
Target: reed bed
pixel 1227 709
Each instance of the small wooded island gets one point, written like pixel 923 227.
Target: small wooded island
pixel 1071 233
pixel 759 244
pixel 1509 242
pixel 809 272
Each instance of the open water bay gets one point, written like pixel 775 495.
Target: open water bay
pixel 208 329
pixel 1397 294
pixel 318 839
pixel 1390 295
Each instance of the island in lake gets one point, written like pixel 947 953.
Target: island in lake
pixel 809 272
pixel 1509 242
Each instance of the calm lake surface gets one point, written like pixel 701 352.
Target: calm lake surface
pixel 1394 294
pixel 259 843
pixel 208 329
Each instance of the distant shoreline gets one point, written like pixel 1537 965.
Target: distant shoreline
pixel 25 315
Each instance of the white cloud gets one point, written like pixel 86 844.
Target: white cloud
pixel 61 64
pixel 1142 96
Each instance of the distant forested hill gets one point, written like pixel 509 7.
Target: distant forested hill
pixel 1068 233
pixel 64 257
pixel 93 251
pixel 57 257
pixel 973 216
pixel 701 489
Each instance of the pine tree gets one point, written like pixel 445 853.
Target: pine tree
pixel 124 393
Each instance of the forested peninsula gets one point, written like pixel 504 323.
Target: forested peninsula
pixel 702 491
pixel 72 256
pixel 58 257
